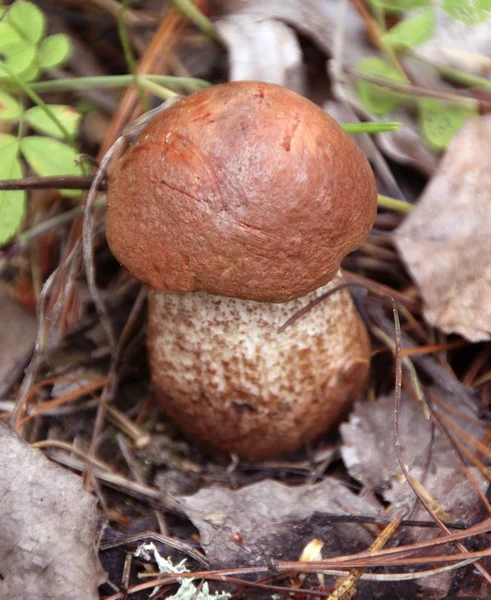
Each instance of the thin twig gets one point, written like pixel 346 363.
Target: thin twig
pixel 346 587
pixel 156 498
pixel 75 182
pixel 69 448
pixel 226 576
pixel 157 537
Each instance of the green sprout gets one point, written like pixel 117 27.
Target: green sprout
pixel 25 52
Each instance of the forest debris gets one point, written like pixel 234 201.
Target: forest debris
pixel 458 44
pixel 262 42
pixel 368 448
pixel 262 50
pixel 405 145
pixel 268 520
pixel 346 586
pixel 187 590
pixel 450 492
pixel 452 496
pixel 451 224
pixel 370 457
pixel 18 329
pixel 313 18
pixel 47 527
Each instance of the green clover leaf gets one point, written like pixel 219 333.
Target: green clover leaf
pixel 12 203
pixel 378 100
pixel 412 31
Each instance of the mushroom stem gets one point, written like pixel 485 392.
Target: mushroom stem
pixel 222 371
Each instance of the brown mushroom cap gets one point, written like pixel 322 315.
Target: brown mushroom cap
pixel 244 189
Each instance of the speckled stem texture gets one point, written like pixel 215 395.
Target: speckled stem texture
pixel 234 384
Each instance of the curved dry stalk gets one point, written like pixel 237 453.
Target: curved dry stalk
pixel 87 242
pixel 43 329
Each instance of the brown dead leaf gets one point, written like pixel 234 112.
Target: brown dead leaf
pixel 18 329
pixel 47 528
pixel 271 520
pixel 446 241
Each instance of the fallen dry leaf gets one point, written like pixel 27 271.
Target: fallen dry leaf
pixel 446 241
pixel 368 448
pixel 312 18
pixel 262 50
pixel 271 520
pixel 451 491
pixel 262 42
pixel 47 527
pixel 18 329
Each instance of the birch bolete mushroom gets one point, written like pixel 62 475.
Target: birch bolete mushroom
pixel 236 206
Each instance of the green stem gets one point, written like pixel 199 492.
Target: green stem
pixel 371 127
pixel 161 92
pixel 37 100
pixel 393 204
pixel 117 81
pixel 191 12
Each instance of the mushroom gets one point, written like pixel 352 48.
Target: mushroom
pixel 236 206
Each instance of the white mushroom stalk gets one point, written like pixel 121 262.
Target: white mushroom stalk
pixel 224 374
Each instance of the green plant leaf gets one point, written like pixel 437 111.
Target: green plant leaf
pixel 67 116
pixel 400 5
pixel 9 107
pixel 17 57
pixel 48 157
pixel 12 203
pixel 470 12
pixel 28 19
pixel 440 121
pixel 54 50
pixel 8 35
pixel 412 31
pixel 31 73
pixel 378 100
